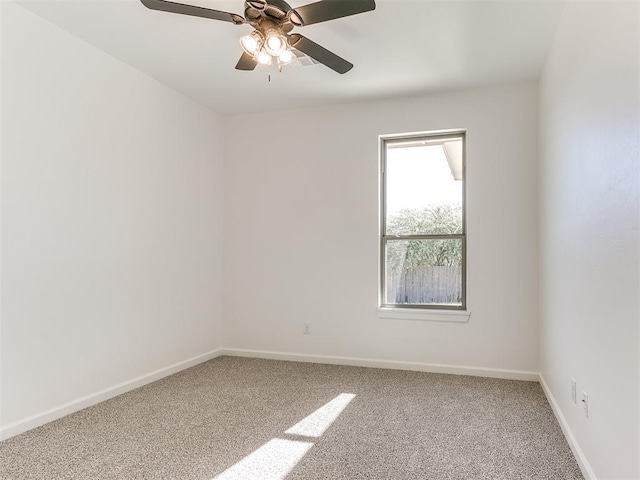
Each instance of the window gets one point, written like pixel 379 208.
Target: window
pixel 423 237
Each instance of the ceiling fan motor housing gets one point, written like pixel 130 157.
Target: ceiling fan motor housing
pixel 269 14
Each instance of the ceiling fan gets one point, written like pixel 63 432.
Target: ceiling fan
pixel 273 21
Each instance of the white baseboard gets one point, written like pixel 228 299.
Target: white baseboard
pixel 390 364
pixel 55 413
pixel 587 472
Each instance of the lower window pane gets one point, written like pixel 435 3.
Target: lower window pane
pixel 424 272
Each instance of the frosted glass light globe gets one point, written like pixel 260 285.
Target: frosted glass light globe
pixel 275 44
pixel 251 43
pixel 264 58
pixel 286 57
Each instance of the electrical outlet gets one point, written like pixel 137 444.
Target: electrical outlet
pixel 573 390
pixel 306 328
pixel 585 404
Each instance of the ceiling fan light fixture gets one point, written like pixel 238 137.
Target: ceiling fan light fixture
pixel 285 57
pixel 263 58
pixel 275 44
pixel 252 43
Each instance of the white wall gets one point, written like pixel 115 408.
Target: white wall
pixel 589 192
pixel 111 226
pixel 301 228
pixel 111 219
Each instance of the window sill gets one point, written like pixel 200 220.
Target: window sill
pixel 455 316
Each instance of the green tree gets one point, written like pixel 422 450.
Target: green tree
pixel 403 255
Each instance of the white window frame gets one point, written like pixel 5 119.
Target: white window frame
pixel 457 313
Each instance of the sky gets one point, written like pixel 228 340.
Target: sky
pixel 418 177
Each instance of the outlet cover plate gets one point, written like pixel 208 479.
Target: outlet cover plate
pixel 585 404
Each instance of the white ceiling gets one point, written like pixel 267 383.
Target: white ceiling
pixel 404 47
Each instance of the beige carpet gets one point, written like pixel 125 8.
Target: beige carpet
pixel 236 418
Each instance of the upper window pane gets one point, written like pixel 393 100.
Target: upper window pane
pixel 424 187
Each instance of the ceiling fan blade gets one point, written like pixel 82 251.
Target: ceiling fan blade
pixel 246 62
pixel 325 10
pixel 319 53
pixel 195 11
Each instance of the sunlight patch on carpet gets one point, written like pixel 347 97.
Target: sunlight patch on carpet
pixel 273 461
pixel 276 458
pixel 317 423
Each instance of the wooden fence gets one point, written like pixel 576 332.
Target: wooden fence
pixel 425 285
